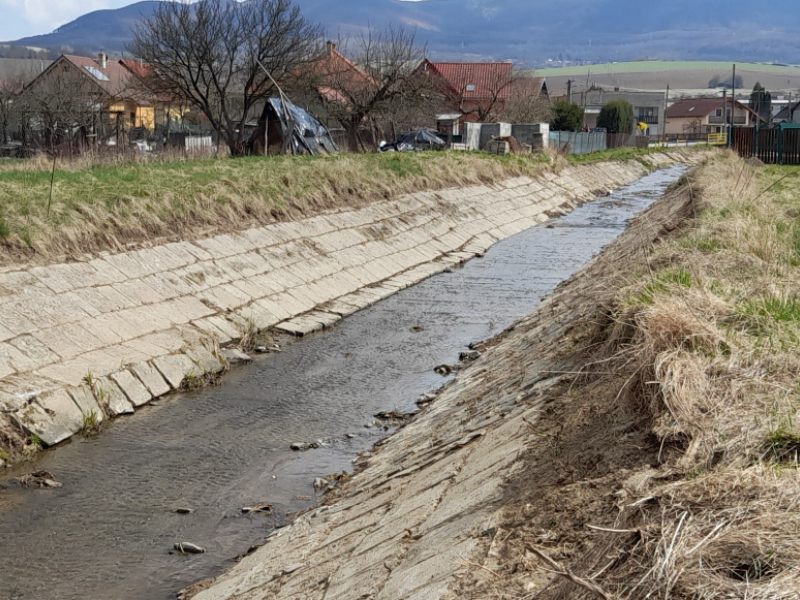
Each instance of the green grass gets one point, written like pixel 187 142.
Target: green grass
pixel 780 309
pixel 666 280
pixel 615 154
pixel 111 205
pixel 649 66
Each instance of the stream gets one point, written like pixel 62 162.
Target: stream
pixel 106 534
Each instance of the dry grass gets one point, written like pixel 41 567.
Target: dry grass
pixel 710 335
pixel 108 203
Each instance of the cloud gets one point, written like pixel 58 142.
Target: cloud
pixel 32 17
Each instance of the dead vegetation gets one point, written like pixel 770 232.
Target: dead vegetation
pixel 668 468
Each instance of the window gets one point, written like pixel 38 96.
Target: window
pixel 470 87
pixel 97 74
pixel 718 112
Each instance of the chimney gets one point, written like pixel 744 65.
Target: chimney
pixel 331 48
pixel 102 59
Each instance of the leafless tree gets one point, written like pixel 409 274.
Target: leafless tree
pixel 210 54
pixel 526 103
pixel 64 107
pixel 10 107
pixel 375 88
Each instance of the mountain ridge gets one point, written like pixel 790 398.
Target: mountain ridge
pixel 526 31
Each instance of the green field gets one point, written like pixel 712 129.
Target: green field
pixel 652 66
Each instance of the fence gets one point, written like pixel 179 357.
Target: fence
pixel 571 142
pixel 779 146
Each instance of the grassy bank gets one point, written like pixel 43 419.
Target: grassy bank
pixel 681 438
pixel 109 206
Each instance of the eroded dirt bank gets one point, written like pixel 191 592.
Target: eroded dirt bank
pixel 521 450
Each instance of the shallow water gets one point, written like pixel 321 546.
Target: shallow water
pixel 107 533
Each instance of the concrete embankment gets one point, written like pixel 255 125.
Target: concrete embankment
pixel 426 510
pixel 109 334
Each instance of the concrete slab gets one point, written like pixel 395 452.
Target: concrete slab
pixel 83 397
pixel 134 389
pixel 175 368
pixel 109 394
pixel 151 378
pixel 299 326
pixel 64 417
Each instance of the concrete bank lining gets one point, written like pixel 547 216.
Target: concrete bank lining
pixel 425 510
pixel 109 334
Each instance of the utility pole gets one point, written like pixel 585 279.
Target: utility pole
pixel 664 125
pixel 569 90
pixel 725 114
pixel 733 105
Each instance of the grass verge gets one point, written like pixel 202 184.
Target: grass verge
pixel 109 206
pixel 706 342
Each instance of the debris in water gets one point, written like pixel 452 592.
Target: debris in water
pixel 425 399
pixel 40 479
pixel 259 509
pixel 188 548
pixel 471 355
pixel 394 415
pixel 269 349
pixel 417 329
pixel 303 497
pixel 184 510
pixel 321 483
pixel 351 435
pixel 299 447
pixel 443 370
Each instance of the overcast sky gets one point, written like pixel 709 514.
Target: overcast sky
pixel 22 18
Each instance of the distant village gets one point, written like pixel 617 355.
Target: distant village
pixel 79 103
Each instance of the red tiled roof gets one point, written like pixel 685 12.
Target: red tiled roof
pixel 139 69
pixel 474 81
pixel 334 70
pixel 114 78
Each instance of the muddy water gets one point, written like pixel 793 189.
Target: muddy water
pixel 107 533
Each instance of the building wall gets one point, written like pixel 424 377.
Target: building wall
pixel 642 102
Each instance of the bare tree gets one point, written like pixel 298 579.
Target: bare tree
pixel 65 107
pixel 375 89
pixel 10 107
pixel 210 54
pixel 527 103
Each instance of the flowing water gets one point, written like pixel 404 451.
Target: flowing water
pixel 106 534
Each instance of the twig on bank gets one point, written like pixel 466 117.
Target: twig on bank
pixel 558 569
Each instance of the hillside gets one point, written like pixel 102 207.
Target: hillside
pixel 522 30
pixel 679 75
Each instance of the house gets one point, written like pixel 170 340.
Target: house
pixel 115 88
pixel 336 78
pixel 648 107
pixel 477 92
pixel 788 114
pixel 700 116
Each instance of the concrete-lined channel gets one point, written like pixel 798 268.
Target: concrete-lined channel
pixel 107 532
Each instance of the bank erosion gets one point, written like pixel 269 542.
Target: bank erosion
pixel 635 437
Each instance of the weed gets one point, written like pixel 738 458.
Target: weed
pixel 89 379
pixel 35 440
pixel 248 332
pixel 91 424
pixel 783 443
